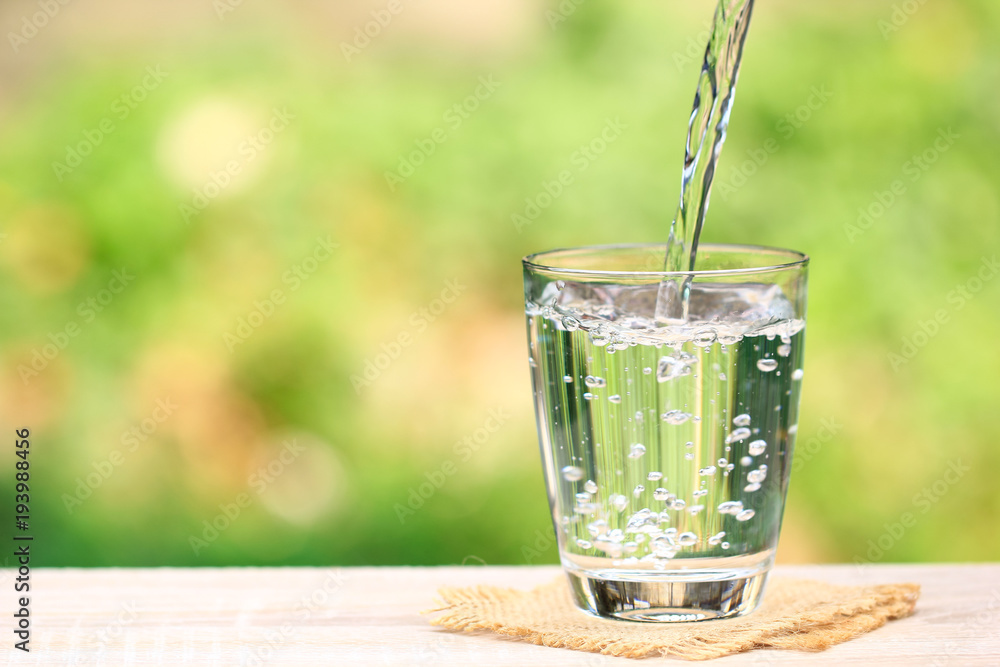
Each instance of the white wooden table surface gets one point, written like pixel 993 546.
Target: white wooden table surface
pixel 370 616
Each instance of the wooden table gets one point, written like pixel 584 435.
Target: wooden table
pixel 370 616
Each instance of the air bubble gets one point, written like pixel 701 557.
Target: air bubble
pixel 619 502
pixel 599 338
pixel 636 451
pixel 797 374
pixel 722 463
pixel 572 473
pixel 750 488
pixel 654 476
pixel 647 370
pixel 590 486
pixel 675 417
pixel 725 545
pixel 583 544
pixel 570 323
pixel 587 396
pixel 583 497
pixel 637 491
pixel 739 434
pixel 689 456
pixel 741 420
pixel 594 382
pixel 567 379
pixel 757 447
pixel 767 365
pixel 730 507
pixel 716 539
pixel 687 539
pixel 615 398
pixel 675 366
pixel 784 350
pixel 746 461
pixel 745 515
pixel 661 494
pixel 598 527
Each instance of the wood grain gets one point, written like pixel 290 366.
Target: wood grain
pixel 371 616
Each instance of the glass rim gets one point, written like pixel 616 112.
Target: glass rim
pixel 798 259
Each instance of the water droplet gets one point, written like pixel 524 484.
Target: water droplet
pixel 590 486
pixel 615 398
pixel 570 323
pixel 637 491
pixel 594 382
pixel 687 539
pixel 705 472
pixel 636 451
pixel 757 447
pixel 739 434
pixel 572 473
pixel 583 544
pixel 741 420
pixel 618 501
pixel 567 378
pixel 797 374
pixel 745 515
pixel 767 365
pixel 654 476
pixel 784 350
pixel 746 461
pixel 661 494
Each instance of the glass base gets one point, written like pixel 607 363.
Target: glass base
pixel 675 597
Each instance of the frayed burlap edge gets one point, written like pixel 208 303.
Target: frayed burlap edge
pixel 796 614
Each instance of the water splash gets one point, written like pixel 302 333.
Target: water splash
pixel 713 103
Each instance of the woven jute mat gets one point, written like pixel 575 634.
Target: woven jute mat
pixel 795 614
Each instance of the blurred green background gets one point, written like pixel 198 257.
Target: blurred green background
pixel 231 160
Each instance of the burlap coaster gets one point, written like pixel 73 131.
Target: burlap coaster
pixel 795 614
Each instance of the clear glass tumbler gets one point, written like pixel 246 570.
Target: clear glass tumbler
pixel 666 443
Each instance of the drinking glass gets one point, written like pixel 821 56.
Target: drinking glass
pixel 666 442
